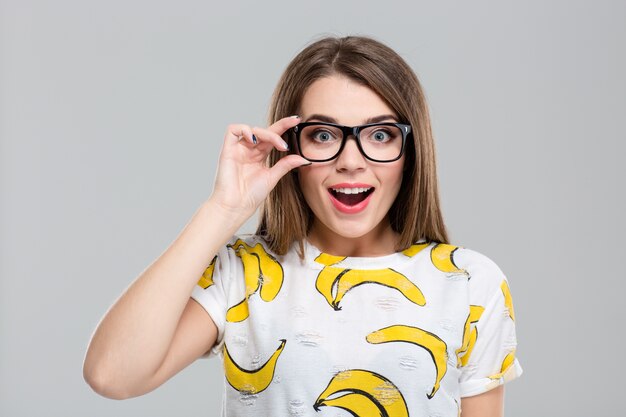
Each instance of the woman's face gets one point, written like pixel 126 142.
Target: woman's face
pixel 340 215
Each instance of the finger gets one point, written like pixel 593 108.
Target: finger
pixel 284 124
pixel 267 135
pixel 284 165
pixel 236 132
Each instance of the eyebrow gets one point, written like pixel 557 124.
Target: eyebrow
pixel 375 119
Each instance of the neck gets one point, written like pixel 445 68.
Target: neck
pixel 381 241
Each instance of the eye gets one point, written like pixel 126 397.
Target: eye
pixel 323 136
pixel 381 136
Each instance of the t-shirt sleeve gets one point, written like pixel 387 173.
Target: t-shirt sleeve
pixel 211 293
pixel 489 360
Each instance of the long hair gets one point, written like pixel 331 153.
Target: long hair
pixel 285 216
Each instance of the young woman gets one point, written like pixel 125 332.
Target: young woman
pixel 348 300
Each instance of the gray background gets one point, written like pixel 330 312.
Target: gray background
pixel 112 117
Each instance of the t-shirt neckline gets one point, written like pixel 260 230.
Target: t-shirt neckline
pixel 318 259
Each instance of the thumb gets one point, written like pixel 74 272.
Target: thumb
pixel 284 165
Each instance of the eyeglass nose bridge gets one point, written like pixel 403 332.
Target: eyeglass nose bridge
pixel 347 132
pixel 350 131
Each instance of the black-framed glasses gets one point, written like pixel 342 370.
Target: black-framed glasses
pixel 378 142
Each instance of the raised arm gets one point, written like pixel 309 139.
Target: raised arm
pixel 154 329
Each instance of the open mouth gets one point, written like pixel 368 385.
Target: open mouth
pixel 351 196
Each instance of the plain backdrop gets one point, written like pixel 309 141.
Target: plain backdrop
pixel 112 115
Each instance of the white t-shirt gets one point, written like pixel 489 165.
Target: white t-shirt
pixel 403 334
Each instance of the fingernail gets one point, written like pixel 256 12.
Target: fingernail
pixel 295 116
pixel 307 164
pixel 254 139
pixel 285 146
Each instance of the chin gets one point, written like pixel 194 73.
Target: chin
pixel 352 234
pixel 353 230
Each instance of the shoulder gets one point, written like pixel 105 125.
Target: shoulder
pixel 250 244
pixel 247 241
pixel 243 243
pixel 242 240
pixel 237 246
pixel 242 247
pixel 483 273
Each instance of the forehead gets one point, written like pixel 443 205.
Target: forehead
pixel 343 99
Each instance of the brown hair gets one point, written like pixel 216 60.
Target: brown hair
pixel 415 214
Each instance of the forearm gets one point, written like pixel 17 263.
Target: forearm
pixel 133 338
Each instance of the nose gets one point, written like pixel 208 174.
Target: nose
pixel 350 158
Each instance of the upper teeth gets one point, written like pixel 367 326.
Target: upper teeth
pixel 351 190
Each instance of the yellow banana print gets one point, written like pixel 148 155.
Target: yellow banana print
pixel 442 257
pixel 431 342
pixel 326 280
pixel 252 277
pixel 261 270
pixel 464 358
pixel 469 336
pixel 271 270
pixel 508 300
pixel 415 249
pixel 387 277
pixel 206 280
pixel 328 260
pixel 238 312
pixel 333 283
pixel 506 364
pixel 368 394
pixel 251 381
pixel 251 271
pixel 357 405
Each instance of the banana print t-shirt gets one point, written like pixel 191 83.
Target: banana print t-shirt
pixel 407 334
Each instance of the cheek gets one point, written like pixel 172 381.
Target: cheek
pixel 394 180
pixel 396 174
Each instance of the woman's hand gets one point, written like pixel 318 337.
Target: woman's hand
pixel 243 180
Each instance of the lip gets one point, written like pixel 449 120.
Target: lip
pixel 351 185
pixel 357 208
